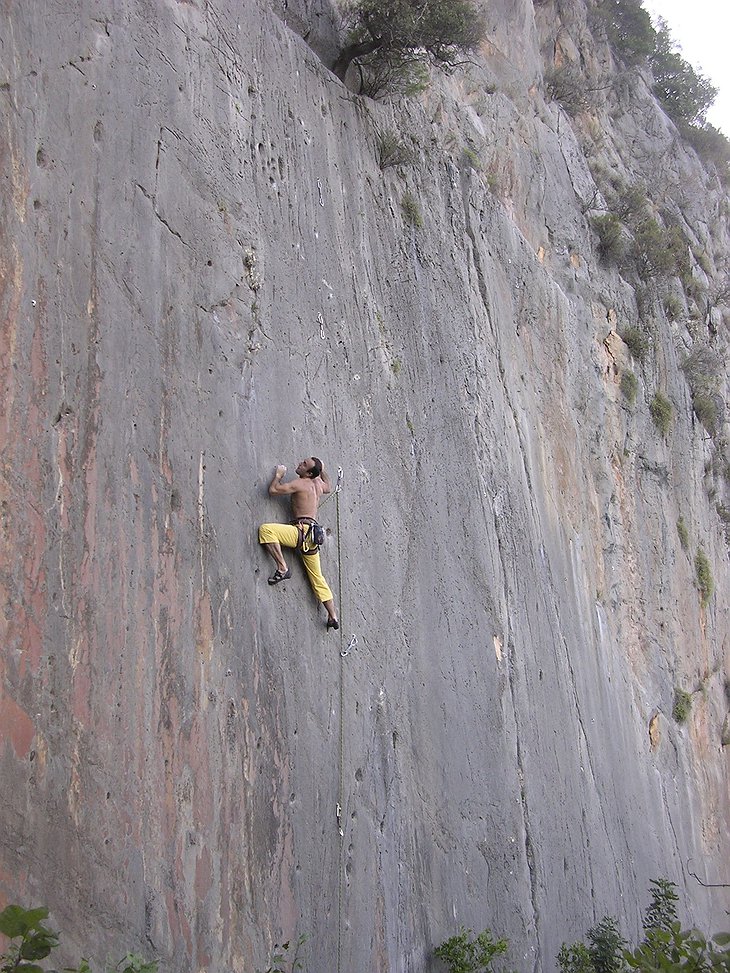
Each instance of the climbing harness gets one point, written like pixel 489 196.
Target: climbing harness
pixel 311 535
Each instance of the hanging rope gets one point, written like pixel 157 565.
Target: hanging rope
pixel 341 786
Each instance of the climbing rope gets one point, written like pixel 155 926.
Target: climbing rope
pixel 341 786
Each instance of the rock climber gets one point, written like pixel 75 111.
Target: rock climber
pixel 303 533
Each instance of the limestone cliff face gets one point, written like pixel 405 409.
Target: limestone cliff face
pixel 204 272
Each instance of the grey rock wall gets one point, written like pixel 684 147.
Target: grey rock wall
pixel 204 272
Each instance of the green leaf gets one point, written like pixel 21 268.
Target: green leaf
pixel 722 938
pixel 16 921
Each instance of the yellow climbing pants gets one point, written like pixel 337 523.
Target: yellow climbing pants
pixel 288 536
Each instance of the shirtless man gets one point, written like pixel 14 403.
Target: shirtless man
pixel 306 491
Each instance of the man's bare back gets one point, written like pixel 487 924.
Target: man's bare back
pixel 305 492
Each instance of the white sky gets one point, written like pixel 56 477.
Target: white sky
pixel 701 28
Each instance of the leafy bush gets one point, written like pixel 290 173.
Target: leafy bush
pixel 30 940
pixel 392 150
pixel 395 42
pixel 656 252
pixel 661 411
pixel 605 946
pixel 703 571
pixel 628 29
pixel 411 210
pixel 665 947
pixel 711 145
pixel 685 94
pixel 464 954
pixel 568 86
pixel 629 387
pixel 674 951
pixel 636 341
pixel 611 241
pixel 683 533
pixel 662 910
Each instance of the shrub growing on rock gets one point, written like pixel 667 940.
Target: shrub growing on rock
pixel 611 242
pixel 661 412
pixel 395 42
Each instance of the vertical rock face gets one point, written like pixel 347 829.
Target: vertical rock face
pixel 205 271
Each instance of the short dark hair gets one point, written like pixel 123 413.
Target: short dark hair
pixel 316 469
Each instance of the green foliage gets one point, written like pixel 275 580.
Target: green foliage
pixel 683 533
pixel 665 949
pixel 392 150
pixel 606 945
pixel 656 252
pixel 685 94
pixel 703 369
pixel 636 341
pixel 411 210
pixel 611 242
pixel 464 954
pixel 567 85
pixel 673 307
pixel 662 910
pixel 285 958
pixel 673 951
pixel 575 959
pixel 30 940
pixel 395 42
pixel 628 29
pixel 711 145
pixel 632 203
pixel 708 408
pixel 629 387
pixel 661 412
pixel 682 706
pixel 703 572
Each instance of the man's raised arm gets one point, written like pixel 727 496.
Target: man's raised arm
pixel 277 488
pixel 326 482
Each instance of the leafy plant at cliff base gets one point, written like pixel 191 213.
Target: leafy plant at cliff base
pixel 30 940
pixel 662 910
pixel 285 958
pixel 603 954
pixel 464 953
pixel 395 42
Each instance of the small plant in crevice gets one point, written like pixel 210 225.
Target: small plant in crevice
pixel 629 387
pixel 636 341
pixel 682 705
pixel 411 210
pixel 611 239
pixel 392 150
pixel 660 409
pixel 465 953
pixel 703 573
pixel 683 533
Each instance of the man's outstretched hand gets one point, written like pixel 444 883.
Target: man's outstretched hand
pixel 280 470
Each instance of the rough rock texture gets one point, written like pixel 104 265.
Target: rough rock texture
pixel 204 272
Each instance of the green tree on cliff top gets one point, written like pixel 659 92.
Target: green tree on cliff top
pixel 393 41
